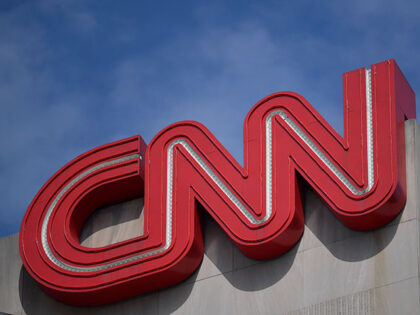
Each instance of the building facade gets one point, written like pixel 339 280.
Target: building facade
pixel 332 270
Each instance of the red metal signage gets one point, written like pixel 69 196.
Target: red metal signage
pixel 361 177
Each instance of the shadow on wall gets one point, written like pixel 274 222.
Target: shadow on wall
pixel 221 257
pixel 322 228
pixel 114 223
pixel 345 244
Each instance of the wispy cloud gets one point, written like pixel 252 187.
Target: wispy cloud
pixel 74 76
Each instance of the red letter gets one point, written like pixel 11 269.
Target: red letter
pixel 360 177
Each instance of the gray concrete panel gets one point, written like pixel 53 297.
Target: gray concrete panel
pixel 218 251
pixel 374 259
pixel 113 224
pixel 398 298
pixel 270 287
pixel 359 303
pixel 35 301
pixel 214 295
pixel 10 267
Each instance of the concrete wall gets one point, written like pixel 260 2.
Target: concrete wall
pixel 332 270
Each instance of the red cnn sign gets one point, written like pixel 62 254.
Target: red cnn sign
pixel 361 177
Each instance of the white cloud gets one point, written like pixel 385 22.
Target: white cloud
pixel 213 73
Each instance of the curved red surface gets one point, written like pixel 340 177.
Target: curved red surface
pixel 393 101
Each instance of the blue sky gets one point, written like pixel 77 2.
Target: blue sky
pixel 78 74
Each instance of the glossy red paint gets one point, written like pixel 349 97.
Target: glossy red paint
pixel 176 248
